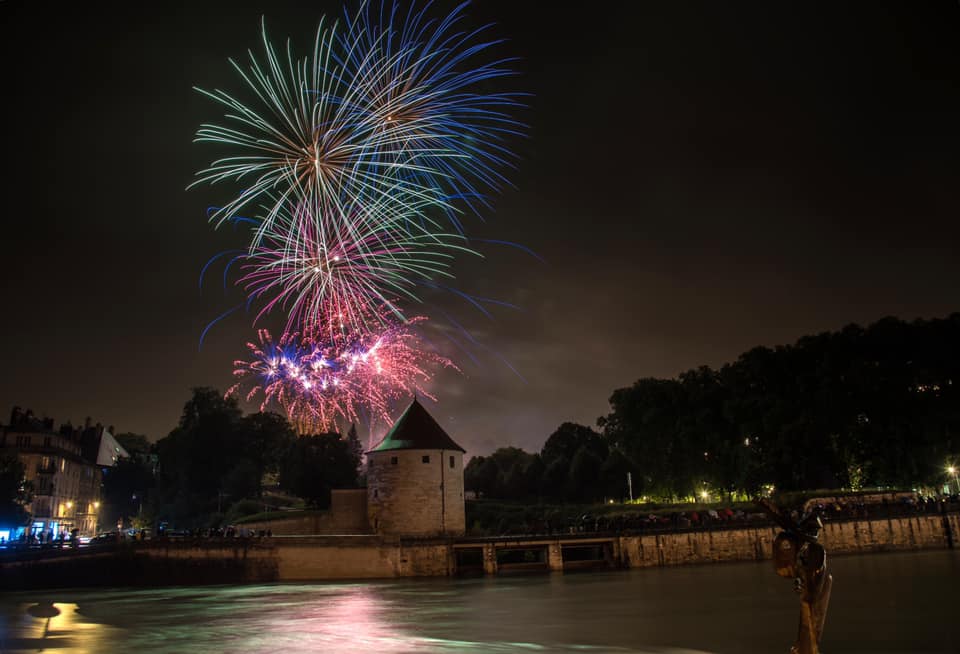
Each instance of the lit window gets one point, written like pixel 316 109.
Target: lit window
pixel 425 458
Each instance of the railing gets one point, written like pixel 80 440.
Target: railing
pixel 695 521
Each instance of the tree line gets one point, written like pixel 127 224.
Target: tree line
pixel 859 407
pixel 212 467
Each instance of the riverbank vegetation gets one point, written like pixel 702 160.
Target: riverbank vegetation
pixel 875 406
pixel 210 469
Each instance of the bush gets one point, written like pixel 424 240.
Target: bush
pixel 242 509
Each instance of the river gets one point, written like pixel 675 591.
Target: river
pixel 882 603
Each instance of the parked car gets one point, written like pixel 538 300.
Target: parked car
pixel 106 537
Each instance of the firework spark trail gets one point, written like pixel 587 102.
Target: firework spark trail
pixel 308 134
pixel 318 380
pixel 310 266
pixel 384 111
pixel 352 161
pixel 415 79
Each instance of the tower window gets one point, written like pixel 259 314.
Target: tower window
pixel 425 458
pixel 452 464
pixel 394 460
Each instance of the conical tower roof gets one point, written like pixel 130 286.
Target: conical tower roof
pixel 416 430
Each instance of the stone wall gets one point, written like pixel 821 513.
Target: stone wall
pixel 141 566
pixel 323 557
pixel 306 558
pixel 347 515
pixel 696 547
pixel 914 533
pixel 921 532
pixel 404 492
pixel 348 510
pixel 455 519
pixel 366 557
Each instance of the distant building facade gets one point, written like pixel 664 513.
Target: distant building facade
pixel 415 479
pixel 66 485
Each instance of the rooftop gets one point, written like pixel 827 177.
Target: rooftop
pixel 416 430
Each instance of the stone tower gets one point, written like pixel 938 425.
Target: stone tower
pixel 415 479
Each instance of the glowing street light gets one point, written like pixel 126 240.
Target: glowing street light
pixel 952 470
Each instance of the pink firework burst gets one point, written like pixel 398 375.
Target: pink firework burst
pixel 321 259
pixel 337 374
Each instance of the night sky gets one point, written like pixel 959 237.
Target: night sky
pixel 698 178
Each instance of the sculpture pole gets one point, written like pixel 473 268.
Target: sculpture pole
pixel 798 555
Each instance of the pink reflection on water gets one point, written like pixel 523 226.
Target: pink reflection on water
pixel 355 619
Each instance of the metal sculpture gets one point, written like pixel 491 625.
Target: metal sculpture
pixel 798 555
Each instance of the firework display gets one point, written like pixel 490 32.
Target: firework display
pixel 310 267
pixel 347 375
pixel 354 165
pixel 420 89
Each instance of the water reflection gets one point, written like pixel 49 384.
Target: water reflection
pixel 47 626
pixel 382 618
pixel 882 603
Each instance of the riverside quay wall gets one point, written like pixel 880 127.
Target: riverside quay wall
pixel 313 558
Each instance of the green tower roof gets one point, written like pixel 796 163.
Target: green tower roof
pixel 416 430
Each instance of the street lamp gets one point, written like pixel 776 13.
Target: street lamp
pixel 952 470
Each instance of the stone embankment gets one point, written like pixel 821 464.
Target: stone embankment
pixel 302 558
pixel 918 532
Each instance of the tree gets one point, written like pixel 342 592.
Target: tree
pixel 613 475
pixel 15 492
pixel 482 475
pixel 134 444
pixel 568 439
pixel 198 455
pixel 126 486
pixel 861 406
pixel 643 425
pixel 583 481
pixel 315 465
pixel 524 478
pixel 555 485
pixel 356 447
pixel 263 439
